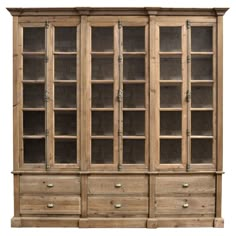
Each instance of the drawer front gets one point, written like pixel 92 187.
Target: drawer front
pixel 185 205
pixel 49 205
pixel 30 184
pixel 117 206
pixel 124 184
pixel 180 184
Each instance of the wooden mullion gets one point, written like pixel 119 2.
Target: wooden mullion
pixel 153 99
pixel 50 101
pixel 185 105
pixel 84 92
pixel 120 113
pixel 188 91
pixel 115 100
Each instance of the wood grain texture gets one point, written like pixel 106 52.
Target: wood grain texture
pixel 127 184
pixel 150 194
pixel 108 206
pixel 56 184
pixel 45 204
pixel 175 205
pixel 113 223
pixel 196 184
pixel 45 222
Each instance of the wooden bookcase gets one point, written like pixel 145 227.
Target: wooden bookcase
pixel 117 117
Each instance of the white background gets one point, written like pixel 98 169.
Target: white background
pixel 6 178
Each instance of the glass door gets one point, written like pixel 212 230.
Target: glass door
pixel 65 91
pixel 33 88
pixel 172 104
pixel 118 95
pixel 202 51
pixel 102 97
pixel 134 105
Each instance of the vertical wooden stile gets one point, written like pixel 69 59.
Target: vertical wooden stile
pixel 219 113
pixel 188 94
pixel 153 111
pixel 84 110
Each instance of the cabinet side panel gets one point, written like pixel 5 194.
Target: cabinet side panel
pixel 16 98
pixel 219 113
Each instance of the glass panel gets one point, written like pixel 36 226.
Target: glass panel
pixel 65 151
pixel 134 123
pixel 65 39
pixel 65 67
pixel 170 123
pixel 133 39
pixel 102 95
pixel 201 150
pixel 33 39
pixel 65 123
pixel 170 68
pixel 134 95
pixel 170 96
pixel 102 123
pixel 201 122
pixel 34 150
pixel 201 68
pixel 201 96
pixel 170 39
pixel 102 39
pixel 33 95
pixel 201 38
pixel 134 68
pixel 65 95
pixel 102 68
pixel 102 151
pixel 170 151
pixel 33 68
pixel 34 122
pixel 133 151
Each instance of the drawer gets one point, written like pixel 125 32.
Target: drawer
pixel 124 184
pixel 173 184
pixel 31 184
pixel 185 205
pixel 117 206
pixel 49 204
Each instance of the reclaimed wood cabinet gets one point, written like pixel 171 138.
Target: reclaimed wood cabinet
pixel 117 117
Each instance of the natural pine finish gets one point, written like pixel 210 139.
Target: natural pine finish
pixel 128 127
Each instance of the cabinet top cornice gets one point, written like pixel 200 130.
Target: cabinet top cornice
pixel 117 11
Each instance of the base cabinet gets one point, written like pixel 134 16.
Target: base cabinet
pixel 117 117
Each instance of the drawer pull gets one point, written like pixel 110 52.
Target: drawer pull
pixel 185 185
pixel 118 205
pixel 50 205
pixel 50 185
pixel 185 205
pixel 118 185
